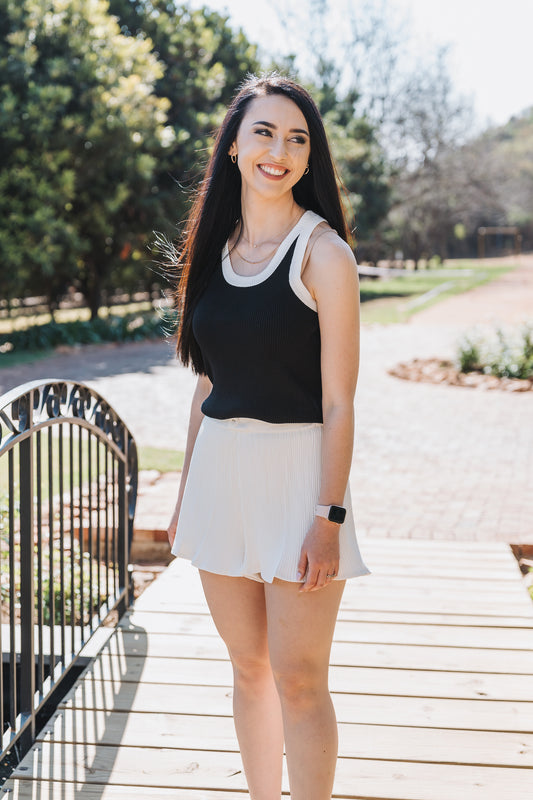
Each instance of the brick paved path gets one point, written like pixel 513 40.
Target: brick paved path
pixel 431 461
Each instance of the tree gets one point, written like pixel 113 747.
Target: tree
pixel 205 60
pixel 81 133
pixel 432 176
pixel 353 136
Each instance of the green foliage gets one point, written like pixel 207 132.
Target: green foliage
pixel 204 60
pixel 99 118
pixel 81 132
pixel 84 575
pixel 114 328
pixel 359 158
pixel 508 149
pixel 361 164
pixel 503 353
pixel 469 356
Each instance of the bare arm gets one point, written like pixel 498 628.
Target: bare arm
pixel 203 389
pixel 331 277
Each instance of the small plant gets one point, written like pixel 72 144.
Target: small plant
pixel 503 353
pixel 469 357
pixel 88 575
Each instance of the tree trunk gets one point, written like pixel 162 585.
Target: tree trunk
pixel 93 294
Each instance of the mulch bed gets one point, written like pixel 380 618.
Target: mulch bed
pixel 435 370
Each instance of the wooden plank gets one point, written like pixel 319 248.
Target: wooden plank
pixel 371 709
pixel 215 770
pixel 428 618
pixel 417 559
pixel 496 570
pixel 186 585
pixel 353 608
pixel 499 587
pixel 472 553
pixel 370 596
pixel 401 743
pixel 422 584
pixel 351 631
pixel 364 654
pixel 361 680
pixel 425 546
pixel 504 581
pixel 21 789
pixel 495 574
pixel 444 636
pixel 440 604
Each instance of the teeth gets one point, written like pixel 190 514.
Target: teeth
pixel 272 170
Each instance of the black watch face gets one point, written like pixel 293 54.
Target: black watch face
pixel 337 514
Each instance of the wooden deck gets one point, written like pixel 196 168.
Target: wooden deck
pixel 432 679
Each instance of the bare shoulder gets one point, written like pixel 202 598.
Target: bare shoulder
pixel 328 260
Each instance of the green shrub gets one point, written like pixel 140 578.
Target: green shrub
pixel 469 357
pixel 114 328
pixel 503 353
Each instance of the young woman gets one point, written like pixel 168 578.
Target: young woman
pixel 269 311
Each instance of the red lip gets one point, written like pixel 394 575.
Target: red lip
pixel 268 175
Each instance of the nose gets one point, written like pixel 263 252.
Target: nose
pixel 277 147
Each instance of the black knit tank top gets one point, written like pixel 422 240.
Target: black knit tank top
pixel 260 338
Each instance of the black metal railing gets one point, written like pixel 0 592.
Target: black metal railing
pixel 68 486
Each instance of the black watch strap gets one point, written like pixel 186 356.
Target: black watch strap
pixel 333 513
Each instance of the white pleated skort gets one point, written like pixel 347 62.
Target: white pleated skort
pixel 250 500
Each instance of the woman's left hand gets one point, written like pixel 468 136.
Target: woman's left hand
pixel 319 559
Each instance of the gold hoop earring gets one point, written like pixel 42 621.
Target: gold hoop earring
pixel 306 170
pixel 234 158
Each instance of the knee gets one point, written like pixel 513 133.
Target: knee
pixel 300 685
pixel 251 669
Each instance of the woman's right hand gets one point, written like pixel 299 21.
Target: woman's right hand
pixel 203 388
pixel 171 530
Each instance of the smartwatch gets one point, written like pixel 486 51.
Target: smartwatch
pixel 333 513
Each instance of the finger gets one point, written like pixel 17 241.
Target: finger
pixel 302 565
pixel 322 580
pixel 312 577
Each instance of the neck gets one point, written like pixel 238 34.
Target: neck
pixel 262 220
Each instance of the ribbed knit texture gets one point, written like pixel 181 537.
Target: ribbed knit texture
pixel 261 344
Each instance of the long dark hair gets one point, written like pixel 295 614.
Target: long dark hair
pixel 217 206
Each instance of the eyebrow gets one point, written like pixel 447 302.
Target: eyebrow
pixel 274 127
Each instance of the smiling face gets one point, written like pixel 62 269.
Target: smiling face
pixel 272 145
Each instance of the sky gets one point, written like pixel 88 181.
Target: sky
pixel 490 42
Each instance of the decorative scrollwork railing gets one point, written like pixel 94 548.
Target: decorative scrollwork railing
pixel 68 488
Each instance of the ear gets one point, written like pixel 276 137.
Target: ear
pixel 233 150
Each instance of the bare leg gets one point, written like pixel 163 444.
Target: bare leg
pixel 300 631
pixel 237 606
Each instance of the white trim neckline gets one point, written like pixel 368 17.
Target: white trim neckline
pixel 235 279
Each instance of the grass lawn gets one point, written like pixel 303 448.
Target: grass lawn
pixel 388 300
pixel 160 459
pixel 15 359
pixel 150 458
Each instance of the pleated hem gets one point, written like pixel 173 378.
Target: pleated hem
pixel 250 500
pixel 264 576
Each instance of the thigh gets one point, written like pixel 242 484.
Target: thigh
pixel 301 625
pixel 237 606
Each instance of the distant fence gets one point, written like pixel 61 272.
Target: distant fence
pixel 30 306
pixel 68 487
